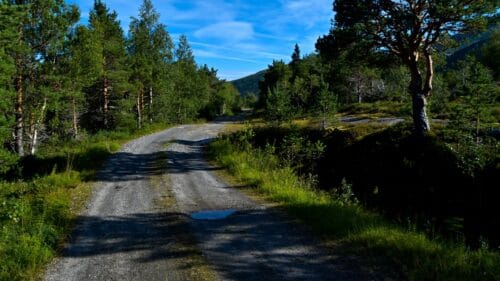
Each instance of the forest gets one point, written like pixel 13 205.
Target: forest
pixel 70 94
pixel 62 80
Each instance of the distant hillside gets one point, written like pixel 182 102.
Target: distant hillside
pixel 470 44
pixel 249 84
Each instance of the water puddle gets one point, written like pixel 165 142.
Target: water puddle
pixel 213 214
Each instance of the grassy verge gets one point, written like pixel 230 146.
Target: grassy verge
pixel 36 214
pixel 418 257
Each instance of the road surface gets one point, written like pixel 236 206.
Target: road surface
pixel 147 219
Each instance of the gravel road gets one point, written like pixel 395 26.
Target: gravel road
pixel 128 232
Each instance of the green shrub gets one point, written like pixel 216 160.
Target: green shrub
pixel 340 217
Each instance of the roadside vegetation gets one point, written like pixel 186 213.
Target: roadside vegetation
pixel 70 94
pixel 339 183
pixel 422 192
pixel 41 197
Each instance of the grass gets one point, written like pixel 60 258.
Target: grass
pixel 417 256
pixel 377 109
pixel 38 209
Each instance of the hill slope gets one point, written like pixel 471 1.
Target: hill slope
pixel 249 84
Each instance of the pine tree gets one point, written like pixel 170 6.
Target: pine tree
pixel 40 36
pixel 296 55
pixel 150 48
pixel 183 53
pixel 408 30
pixel 9 16
pixel 187 94
pixel 107 54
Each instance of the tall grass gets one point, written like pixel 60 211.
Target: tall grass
pixel 39 207
pixel 417 256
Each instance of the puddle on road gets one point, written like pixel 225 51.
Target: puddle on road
pixel 213 214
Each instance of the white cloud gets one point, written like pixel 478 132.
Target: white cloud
pixel 209 54
pixel 229 31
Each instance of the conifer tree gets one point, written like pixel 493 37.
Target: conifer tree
pixel 40 36
pixel 9 16
pixel 150 48
pixel 107 54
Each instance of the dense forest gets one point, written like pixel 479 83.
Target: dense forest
pixel 71 94
pixel 62 80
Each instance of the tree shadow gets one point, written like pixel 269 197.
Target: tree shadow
pixel 192 159
pixel 264 245
pixel 249 245
pixel 124 166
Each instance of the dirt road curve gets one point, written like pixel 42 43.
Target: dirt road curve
pixel 128 232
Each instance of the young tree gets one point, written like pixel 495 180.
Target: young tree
pixel 365 82
pixel 278 105
pixel 325 104
pixel 296 58
pixel 225 99
pixel 277 73
pixel 408 29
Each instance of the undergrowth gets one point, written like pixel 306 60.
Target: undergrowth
pixel 341 218
pixel 39 201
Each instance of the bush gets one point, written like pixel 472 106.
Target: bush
pixel 340 217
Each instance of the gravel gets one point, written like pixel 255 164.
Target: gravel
pixel 125 234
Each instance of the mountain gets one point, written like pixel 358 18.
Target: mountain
pixel 471 44
pixel 249 84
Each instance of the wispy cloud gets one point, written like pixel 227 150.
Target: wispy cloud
pixel 238 37
pixel 208 54
pixel 229 31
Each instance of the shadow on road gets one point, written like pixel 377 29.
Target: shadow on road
pixel 249 245
pixel 124 166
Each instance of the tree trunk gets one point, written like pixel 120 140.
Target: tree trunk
pixel 419 99
pixel 36 128
pixel 420 120
pixel 105 103
pixel 19 129
pixel 151 104
pixel 139 112
pixel 75 119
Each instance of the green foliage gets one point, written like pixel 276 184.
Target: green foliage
pixel 490 54
pixel 61 81
pixel 224 101
pixel 278 107
pixel 407 30
pixel 250 84
pixel 103 49
pixel 37 212
pixel 340 217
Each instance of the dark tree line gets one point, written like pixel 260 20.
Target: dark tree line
pixel 58 78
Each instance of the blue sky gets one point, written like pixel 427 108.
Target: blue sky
pixel 236 37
